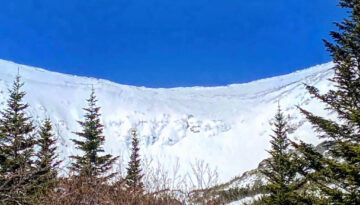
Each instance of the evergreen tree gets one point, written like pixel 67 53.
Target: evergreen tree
pixel 91 164
pixel 2 155
pixel 337 172
pixel 134 176
pixel 17 141
pixel 281 171
pixel 47 162
pixel 17 149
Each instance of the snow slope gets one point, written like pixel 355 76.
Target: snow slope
pixel 226 126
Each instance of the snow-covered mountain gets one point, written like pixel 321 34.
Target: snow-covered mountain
pixel 227 127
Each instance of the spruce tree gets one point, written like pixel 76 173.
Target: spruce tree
pixel 91 163
pixel 281 170
pixel 17 130
pixel 47 163
pixel 337 171
pixel 17 149
pixel 2 156
pixel 134 176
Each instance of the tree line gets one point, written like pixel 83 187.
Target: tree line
pixel 29 163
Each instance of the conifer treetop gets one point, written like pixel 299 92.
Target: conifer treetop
pixel 47 143
pixel 134 175
pixel 17 131
pixel 337 173
pixel 91 144
pixel 281 169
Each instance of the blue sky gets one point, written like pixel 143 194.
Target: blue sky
pixel 168 43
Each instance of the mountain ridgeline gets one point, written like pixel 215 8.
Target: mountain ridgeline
pixel 169 124
pixel 204 121
pixel 136 145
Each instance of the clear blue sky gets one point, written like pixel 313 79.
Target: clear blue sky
pixel 168 43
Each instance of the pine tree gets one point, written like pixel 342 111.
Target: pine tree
pixel 47 162
pixel 91 164
pixel 283 185
pixel 2 155
pixel 134 176
pixel 337 172
pixel 17 149
pixel 18 141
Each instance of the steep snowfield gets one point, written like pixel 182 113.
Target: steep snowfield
pixel 226 126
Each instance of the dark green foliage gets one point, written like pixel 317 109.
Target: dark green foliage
pixel 47 162
pixel 134 176
pixel 2 151
pixel 235 194
pixel 91 164
pixel 281 170
pixel 17 144
pixel 17 172
pixel 340 165
pixel 20 176
pixel 2 157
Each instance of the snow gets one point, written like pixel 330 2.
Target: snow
pixel 247 200
pixel 226 126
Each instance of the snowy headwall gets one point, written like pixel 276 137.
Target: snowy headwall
pixel 227 127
